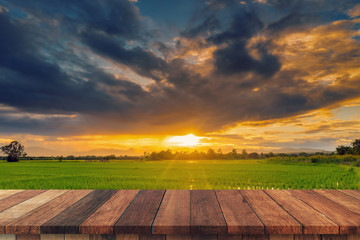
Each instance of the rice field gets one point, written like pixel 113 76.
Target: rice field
pixel 176 174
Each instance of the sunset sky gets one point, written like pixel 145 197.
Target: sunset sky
pixel 128 76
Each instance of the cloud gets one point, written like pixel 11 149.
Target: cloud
pixel 355 11
pixel 218 72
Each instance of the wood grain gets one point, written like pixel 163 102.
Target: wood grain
pixel 17 198
pixel 307 237
pixel 353 237
pixel 275 219
pixel 204 237
pixel 69 219
pixel 333 237
pixel 7 193
pixel 255 237
pixel 102 221
pixel 151 237
pixel 102 237
pixel 7 237
pixel 52 237
pixel 206 216
pixel 342 199
pixel 178 237
pixel 348 221
pixel 31 222
pixel 311 220
pixel 127 236
pixel 77 236
pixel 353 193
pixel 19 210
pixel 173 216
pixel 281 237
pixel 28 237
pixel 239 216
pixel 141 213
pixel 230 237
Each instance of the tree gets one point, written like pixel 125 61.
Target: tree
pixel 342 150
pixel 244 154
pixel 356 146
pixel 14 150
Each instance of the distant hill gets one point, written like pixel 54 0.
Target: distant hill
pixel 299 150
pixel 107 151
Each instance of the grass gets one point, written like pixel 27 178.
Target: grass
pixel 176 174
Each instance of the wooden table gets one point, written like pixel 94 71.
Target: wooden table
pixel 179 214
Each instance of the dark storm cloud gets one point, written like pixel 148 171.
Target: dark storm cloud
pixel 41 70
pixel 235 57
pixel 210 24
pixel 143 62
pixel 111 16
pixel 31 82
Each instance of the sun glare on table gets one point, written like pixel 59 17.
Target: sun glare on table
pixel 184 141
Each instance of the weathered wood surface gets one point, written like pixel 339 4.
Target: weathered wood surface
pixel 206 216
pixel 31 222
pixel 174 213
pixel 348 221
pixel 17 198
pixel 69 219
pixel 239 216
pixel 102 220
pixel 179 214
pixel 311 220
pixel 138 218
pixel 275 218
pixel 19 210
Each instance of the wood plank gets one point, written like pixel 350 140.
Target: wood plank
pixel 151 237
pixel 353 237
pixel 52 237
pixel 102 221
pixel 348 221
pixel 173 216
pixel 239 216
pixel 230 237
pixel 311 220
pixel 255 237
pixel 17 198
pixel 333 237
pixel 141 213
pixel 77 237
pixel 275 219
pixel 127 236
pixel 281 237
pixel 307 237
pixel 102 237
pixel 353 193
pixel 204 237
pixel 7 237
pixel 178 237
pixel 69 219
pixel 206 216
pixel 19 210
pixel 28 237
pixel 342 199
pixel 31 222
pixel 7 193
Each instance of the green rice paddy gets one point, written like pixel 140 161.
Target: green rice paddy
pixel 176 174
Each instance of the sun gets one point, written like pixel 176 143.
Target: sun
pixel 189 140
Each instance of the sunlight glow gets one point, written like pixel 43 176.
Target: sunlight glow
pixel 189 140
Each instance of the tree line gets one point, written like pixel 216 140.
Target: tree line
pixel 15 151
pixel 353 149
pixel 211 154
